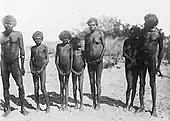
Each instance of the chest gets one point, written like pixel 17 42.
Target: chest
pixel 38 51
pixel 151 36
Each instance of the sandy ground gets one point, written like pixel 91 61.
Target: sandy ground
pixel 112 99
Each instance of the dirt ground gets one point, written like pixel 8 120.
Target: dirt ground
pixel 112 98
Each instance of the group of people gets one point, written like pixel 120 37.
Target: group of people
pixel 72 55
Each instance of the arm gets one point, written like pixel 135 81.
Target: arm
pixel 160 54
pixel 104 46
pixel 124 51
pixel 22 52
pixel 31 63
pixel 56 56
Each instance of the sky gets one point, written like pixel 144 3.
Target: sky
pixel 53 16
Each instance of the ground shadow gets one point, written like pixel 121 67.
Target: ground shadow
pixel 107 100
pixel 54 99
pixel 17 102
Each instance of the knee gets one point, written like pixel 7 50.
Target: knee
pixel 74 87
pixel 152 84
pixel 43 89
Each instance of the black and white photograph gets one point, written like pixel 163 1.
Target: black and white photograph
pixel 84 60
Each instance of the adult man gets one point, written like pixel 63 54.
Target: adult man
pixel 11 47
pixel 150 39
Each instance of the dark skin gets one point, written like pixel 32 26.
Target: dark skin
pixel 151 38
pixel 12 47
pixel 38 62
pixel 63 59
pixel 94 51
pixel 78 66
pixel 129 52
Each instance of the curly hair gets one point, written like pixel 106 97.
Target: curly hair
pixel 93 20
pixel 9 19
pixel 64 34
pixel 37 34
pixel 151 20
pixel 134 31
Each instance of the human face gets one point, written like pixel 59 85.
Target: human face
pixel 8 26
pixel 92 26
pixel 38 40
pixel 66 39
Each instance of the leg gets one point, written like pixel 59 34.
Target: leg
pixel 16 74
pixel 36 90
pixel 99 70
pixel 66 91
pixel 128 73
pixel 61 79
pixel 152 74
pixel 5 81
pixel 74 80
pixel 142 75
pixel 43 89
pixel 81 80
pixel 92 83
pixel 134 84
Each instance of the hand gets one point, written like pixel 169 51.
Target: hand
pixel 22 71
pixel 39 71
pixel 133 61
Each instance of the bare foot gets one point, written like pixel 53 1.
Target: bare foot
pixel 24 112
pixel 140 110
pixel 66 108
pixel 154 113
pixel 37 109
pixel 130 108
pixel 6 113
pixel 48 110
pixel 97 107
pixel 61 108
pixel 81 107
pixel 125 107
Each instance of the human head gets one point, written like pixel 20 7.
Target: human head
pixel 151 21
pixel 134 31
pixel 38 37
pixel 9 22
pixel 92 23
pixel 65 36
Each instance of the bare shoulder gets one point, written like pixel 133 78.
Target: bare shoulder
pixel 44 46
pixel 17 33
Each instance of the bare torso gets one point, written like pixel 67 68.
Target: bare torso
pixel 64 57
pixel 39 56
pixel 94 45
pixel 10 49
pixel 151 40
pixel 78 60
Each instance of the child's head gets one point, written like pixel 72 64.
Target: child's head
pixel 92 23
pixel 151 21
pixel 38 37
pixel 9 22
pixel 65 36
pixel 134 31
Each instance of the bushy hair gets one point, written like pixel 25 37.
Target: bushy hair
pixel 151 19
pixel 37 34
pixel 9 19
pixel 93 20
pixel 64 34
